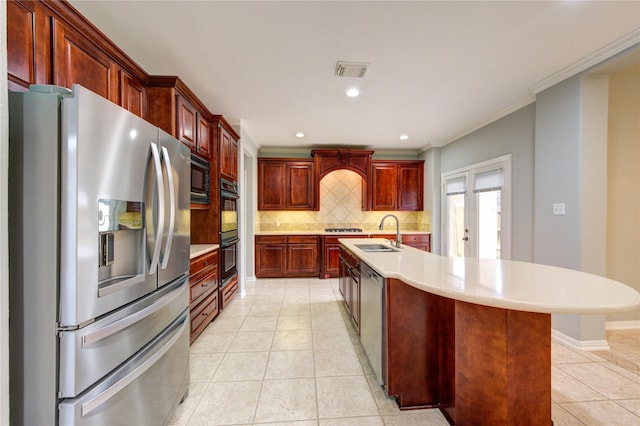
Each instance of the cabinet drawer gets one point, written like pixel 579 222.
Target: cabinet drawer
pixel 202 262
pixel 415 238
pixel 204 312
pixel 228 291
pixel 203 286
pixel 271 239
pixel 302 239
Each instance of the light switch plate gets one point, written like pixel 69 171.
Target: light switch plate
pixel 559 209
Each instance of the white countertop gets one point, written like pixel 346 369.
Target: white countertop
pixel 196 250
pixel 504 284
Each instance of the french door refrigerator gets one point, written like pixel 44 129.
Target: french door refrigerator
pixel 99 257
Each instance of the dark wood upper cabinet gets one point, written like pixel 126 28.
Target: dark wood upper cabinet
pixel 395 185
pixel 410 186
pixel 228 145
pixel 77 61
pixel 204 137
pixel 299 187
pixel 271 184
pixel 132 95
pixel 384 186
pixel 187 122
pixel 51 43
pixel 21 45
pixel 285 184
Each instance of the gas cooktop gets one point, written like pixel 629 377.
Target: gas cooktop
pixel 342 230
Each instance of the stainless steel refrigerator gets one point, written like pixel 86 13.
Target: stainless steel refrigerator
pixel 99 258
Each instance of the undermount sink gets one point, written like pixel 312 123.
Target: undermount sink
pixel 376 247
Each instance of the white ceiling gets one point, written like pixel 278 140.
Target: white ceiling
pixel 437 69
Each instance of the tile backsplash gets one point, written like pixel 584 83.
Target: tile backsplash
pixel 340 207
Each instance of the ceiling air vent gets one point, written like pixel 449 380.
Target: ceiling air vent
pixel 351 69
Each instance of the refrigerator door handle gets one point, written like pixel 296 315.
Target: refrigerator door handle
pixel 113 390
pixel 172 208
pixel 117 326
pixel 160 192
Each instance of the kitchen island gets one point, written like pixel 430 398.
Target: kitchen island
pixel 473 336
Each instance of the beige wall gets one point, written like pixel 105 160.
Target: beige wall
pixel 623 193
pixel 340 207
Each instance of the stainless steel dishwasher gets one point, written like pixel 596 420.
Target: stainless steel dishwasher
pixel 371 304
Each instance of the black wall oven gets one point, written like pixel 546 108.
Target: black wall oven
pixel 228 230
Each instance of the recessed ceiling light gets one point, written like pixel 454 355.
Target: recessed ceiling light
pixel 299 135
pixel 353 92
pixel 404 137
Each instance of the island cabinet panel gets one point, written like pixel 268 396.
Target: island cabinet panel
pixel 349 285
pixel 447 356
pixel 285 184
pixel 500 376
pixel 412 336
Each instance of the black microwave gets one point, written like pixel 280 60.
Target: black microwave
pixel 200 184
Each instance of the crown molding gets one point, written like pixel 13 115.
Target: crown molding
pixel 595 58
pixel 494 117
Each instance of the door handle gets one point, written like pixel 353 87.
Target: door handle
pixel 160 191
pixel 172 208
pixel 465 239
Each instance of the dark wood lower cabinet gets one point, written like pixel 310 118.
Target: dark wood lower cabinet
pixel 302 256
pixel 228 291
pixel 287 256
pixel 203 284
pixel 271 255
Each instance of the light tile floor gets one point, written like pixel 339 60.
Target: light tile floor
pixel 287 355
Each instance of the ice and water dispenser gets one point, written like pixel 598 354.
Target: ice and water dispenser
pixel 120 244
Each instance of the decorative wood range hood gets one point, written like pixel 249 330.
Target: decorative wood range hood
pixel 328 160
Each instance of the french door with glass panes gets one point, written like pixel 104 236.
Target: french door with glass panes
pixel 477 210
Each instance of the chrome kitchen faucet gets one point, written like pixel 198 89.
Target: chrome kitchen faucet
pixel 398 236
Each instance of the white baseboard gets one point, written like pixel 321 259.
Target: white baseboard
pixel 622 325
pixel 583 345
pixel 252 278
